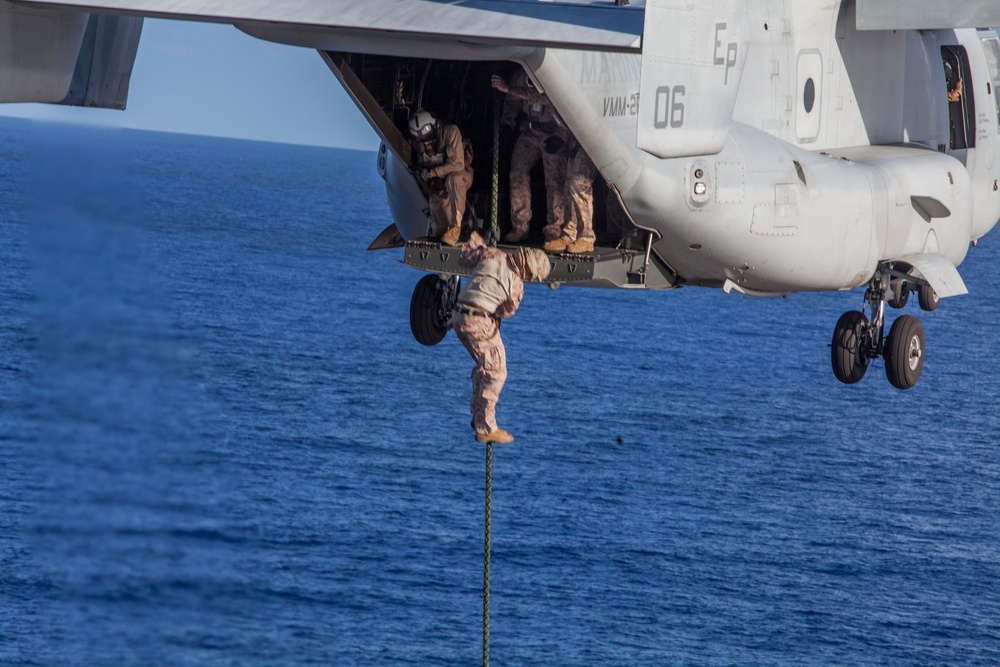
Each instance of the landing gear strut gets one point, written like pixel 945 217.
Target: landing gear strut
pixel 857 340
pixel 430 307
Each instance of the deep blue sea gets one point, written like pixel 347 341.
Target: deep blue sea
pixel 222 446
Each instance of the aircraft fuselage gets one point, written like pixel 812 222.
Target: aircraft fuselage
pixel 838 136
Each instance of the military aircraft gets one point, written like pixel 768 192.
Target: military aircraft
pixel 756 146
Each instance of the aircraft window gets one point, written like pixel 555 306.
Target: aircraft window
pixel 991 46
pixel 809 79
pixel 961 101
pixel 809 95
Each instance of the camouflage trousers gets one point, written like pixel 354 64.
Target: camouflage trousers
pixel 528 148
pixel 580 198
pixel 481 337
pixel 448 210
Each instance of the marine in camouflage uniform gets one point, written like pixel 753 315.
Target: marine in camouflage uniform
pixel 542 135
pixel 578 232
pixel 492 293
pixel 445 178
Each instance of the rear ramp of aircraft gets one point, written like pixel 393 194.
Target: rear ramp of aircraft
pixel 630 265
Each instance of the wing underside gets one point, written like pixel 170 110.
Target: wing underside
pixel 926 14
pixel 601 26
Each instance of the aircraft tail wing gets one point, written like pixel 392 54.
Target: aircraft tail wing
pixel 69 58
pixel 692 63
pixel 104 67
pixel 926 14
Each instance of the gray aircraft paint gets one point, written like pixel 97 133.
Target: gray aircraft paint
pixel 802 183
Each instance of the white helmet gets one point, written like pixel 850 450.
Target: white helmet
pixel 423 126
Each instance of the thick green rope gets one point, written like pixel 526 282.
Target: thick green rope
pixel 495 194
pixel 486 557
pixel 494 237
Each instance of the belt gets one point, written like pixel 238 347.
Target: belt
pixel 474 310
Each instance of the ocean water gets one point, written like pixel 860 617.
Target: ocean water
pixel 221 445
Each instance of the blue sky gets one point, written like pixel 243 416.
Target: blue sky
pixel 201 78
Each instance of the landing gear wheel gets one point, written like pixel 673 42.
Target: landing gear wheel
pixel 430 308
pixel 900 294
pixel 904 352
pixel 848 356
pixel 929 299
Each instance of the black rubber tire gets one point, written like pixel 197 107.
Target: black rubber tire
pixel 425 321
pixel 903 294
pixel 849 363
pixel 928 298
pixel 904 352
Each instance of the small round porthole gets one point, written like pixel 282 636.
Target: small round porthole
pixel 809 95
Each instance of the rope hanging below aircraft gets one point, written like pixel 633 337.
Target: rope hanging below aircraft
pixel 494 235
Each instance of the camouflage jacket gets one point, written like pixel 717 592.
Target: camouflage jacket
pixel 494 284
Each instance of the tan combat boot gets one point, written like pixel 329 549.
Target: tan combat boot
pixel 581 246
pixel 499 436
pixel 450 237
pixel 556 245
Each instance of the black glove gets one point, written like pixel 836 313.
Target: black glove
pixel 437 186
pixel 553 144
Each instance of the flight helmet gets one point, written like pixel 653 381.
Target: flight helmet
pixel 520 79
pixel 423 126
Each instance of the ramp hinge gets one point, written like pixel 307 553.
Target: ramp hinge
pixel 639 277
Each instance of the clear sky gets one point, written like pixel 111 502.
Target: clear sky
pixel 202 78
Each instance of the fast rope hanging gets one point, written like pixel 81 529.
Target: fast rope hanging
pixel 494 235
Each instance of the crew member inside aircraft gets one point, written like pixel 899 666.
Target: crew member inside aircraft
pixel 542 135
pixel 956 116
pixel 954 83
pixel 443 173
pixel 578 232
pixel 493 292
